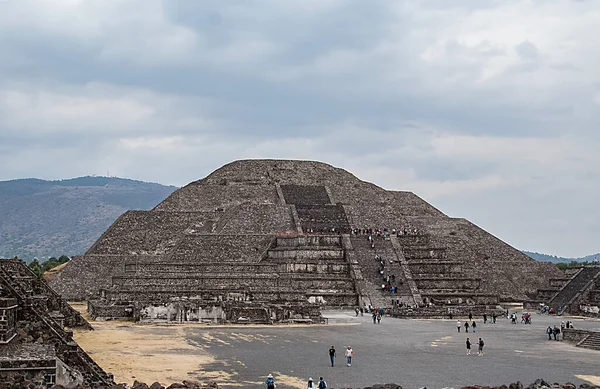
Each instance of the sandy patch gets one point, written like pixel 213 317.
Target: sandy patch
pixel 165 353
pixel 594 379
pixel 146 353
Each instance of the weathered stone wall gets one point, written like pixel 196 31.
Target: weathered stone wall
pixel 143 232
pixel 501 267
pixel 221 248
pixel 100 311
pixel 83 277
pixel 320 217
pixel 309 240
pixel 307 253
pixel 441 283
pixel 208 196
pixel 305 195
pixel 574 335
pixel 442 268
pixel 257 219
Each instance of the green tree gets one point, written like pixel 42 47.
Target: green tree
pixel 36 267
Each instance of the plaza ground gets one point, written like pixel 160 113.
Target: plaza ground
pixel 412 353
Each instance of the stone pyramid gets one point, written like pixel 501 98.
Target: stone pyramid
pixel 284 231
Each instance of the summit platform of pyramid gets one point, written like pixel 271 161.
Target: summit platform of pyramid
pixel 273 239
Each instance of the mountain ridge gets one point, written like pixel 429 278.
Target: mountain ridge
pixel 556 259
pixel 43 218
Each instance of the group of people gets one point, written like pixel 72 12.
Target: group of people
pixel 270 381
pixel 525 318
pixel 473 326
pixel 348 353
pixel 480 345
pixel 556 330
pixel 388 281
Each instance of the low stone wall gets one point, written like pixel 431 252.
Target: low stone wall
pixel 98 310
pixel 309 240
pixel 424 253
pixel 453 312
pixel 447 283
pixel 460 298
pixel 574 335
pixel 301 254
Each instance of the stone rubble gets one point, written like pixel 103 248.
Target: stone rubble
pixel 188 384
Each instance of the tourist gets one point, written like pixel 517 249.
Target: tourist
pixel 474 326
pixel 310 384
pixel 458 325
pixel 349 354
pixel 322 383
pixel 555 332
pixel 270 382
pixel 378 319
pixel 374 317
pixel 332 355
pixel 470 316
pixel 484 318
pixel 467 326
pixel 549 332
pixel 468 346
pixel 480 350
pixel 562 326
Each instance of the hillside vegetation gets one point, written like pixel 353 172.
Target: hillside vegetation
pixel 50 218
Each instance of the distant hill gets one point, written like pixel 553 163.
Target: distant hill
pixel 555 259
pixel 50 218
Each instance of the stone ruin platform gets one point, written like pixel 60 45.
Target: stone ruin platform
pixel 273 239
pixel 36 340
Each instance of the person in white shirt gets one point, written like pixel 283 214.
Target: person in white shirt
pixel 349 354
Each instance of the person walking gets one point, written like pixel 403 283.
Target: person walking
pixel 468 342
pixel 310 384
pixel 467 326
pixel 470 316
pixel 322 383
pixel 474 326
pixel 480 350
pixel 349 354
pixel 332 355
pixel 549 332
pixel 484 318
pixel 458 325
pixel 270 382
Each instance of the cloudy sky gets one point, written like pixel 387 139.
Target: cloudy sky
pixel 488 109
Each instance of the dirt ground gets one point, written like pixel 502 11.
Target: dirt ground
pixel 159 353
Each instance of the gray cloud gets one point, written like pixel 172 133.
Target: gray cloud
pixel 487 109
